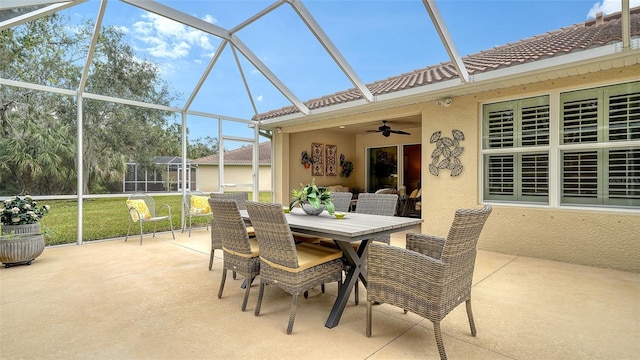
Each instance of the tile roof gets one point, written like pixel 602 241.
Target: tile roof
pixel 590 34
pixel 240 156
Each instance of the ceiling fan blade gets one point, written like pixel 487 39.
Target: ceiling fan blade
pixel 400 132
pixel 374 130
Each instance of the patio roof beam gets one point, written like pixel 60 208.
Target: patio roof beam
pixel 268 74
pixel 202 25
pixel 185 19
pixel 257 16
pixel 10 4
pixel 447 41
pixel 626 25
pixel 205 75
pixel 244 80
pixel 333 51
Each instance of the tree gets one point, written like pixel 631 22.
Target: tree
pixel 44 51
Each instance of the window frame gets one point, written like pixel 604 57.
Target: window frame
pixel 558 147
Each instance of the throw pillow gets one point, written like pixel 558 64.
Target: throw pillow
pixel 142 208
pixel 200 205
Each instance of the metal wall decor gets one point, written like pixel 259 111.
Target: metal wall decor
pixel 332 168
pixel 317 159
pixel 449 149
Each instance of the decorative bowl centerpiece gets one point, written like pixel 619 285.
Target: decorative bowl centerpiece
pixel 339 215
pixel 312 199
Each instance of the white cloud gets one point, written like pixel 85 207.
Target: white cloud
pixel 166 38
pixel 259 98
pixel 609 7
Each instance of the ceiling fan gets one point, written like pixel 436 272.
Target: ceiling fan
pixel 386 130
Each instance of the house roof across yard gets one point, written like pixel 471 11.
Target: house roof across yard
pixel 239 156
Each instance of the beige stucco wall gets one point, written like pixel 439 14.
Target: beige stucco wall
pixel 234 174
pixel 595 237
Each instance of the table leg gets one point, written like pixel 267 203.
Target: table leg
pixel 356 261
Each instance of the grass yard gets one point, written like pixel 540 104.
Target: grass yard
pixel 109 218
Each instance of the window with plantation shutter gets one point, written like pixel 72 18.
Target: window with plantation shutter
pixel 592 161
pixel 624 117
pixel 511 125
pixel 624 176
pixel 603 127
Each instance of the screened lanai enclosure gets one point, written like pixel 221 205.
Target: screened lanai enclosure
pixel 89 88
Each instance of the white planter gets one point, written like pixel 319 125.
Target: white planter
pixel 20 249
pixel 20 229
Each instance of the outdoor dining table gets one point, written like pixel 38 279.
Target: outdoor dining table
pixel 353 227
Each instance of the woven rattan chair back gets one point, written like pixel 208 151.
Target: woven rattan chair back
pixel 377 204
pixel 341 200
pixel 273 233
pixel 432 276
pixel 238 255
pixel 279 263
pixel 241 198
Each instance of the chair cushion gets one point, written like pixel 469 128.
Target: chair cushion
pixel 255 250
pixel 200 205
pixel 309 255
pixel 142 208
pixel 251 231
pixel 414 194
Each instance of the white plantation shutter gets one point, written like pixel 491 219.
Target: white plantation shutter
pixel 500 129
pixel 535 176
pixel 510 125
pixel 580 121
pixel 500 177
pixel 535 125
pixel 580 177
pixel 623 180
pixel 624 117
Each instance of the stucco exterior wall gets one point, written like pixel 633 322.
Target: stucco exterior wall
pixel 234 174
pixel 589 236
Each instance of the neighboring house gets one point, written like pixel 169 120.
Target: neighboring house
pixel 164 176
pixel 551 128
pixel 237 169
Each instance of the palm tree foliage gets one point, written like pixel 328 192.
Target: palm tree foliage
pixel 38 130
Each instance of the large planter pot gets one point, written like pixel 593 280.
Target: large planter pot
pixel 20 229
pixel 20 249
pixel 310 210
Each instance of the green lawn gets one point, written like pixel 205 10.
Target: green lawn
pixel 108 218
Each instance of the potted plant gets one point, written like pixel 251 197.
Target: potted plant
pixel 312 199
pixel 305 159
pixel 20 238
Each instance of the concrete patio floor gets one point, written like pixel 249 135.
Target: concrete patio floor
pixel 117 300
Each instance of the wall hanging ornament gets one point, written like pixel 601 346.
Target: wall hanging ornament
pixel 449 149
pixel 347 166
pixel 305 159
pixel 317 158
pixel 332 167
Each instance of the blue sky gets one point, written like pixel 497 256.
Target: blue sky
pixel 379 39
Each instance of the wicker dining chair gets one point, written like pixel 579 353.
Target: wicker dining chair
pixel 293 268
pixel 241 198
pixel 240 252
pixel 341 200
pixel 195 204
pixel 374 204
pixel 142 208
pixel 432 276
